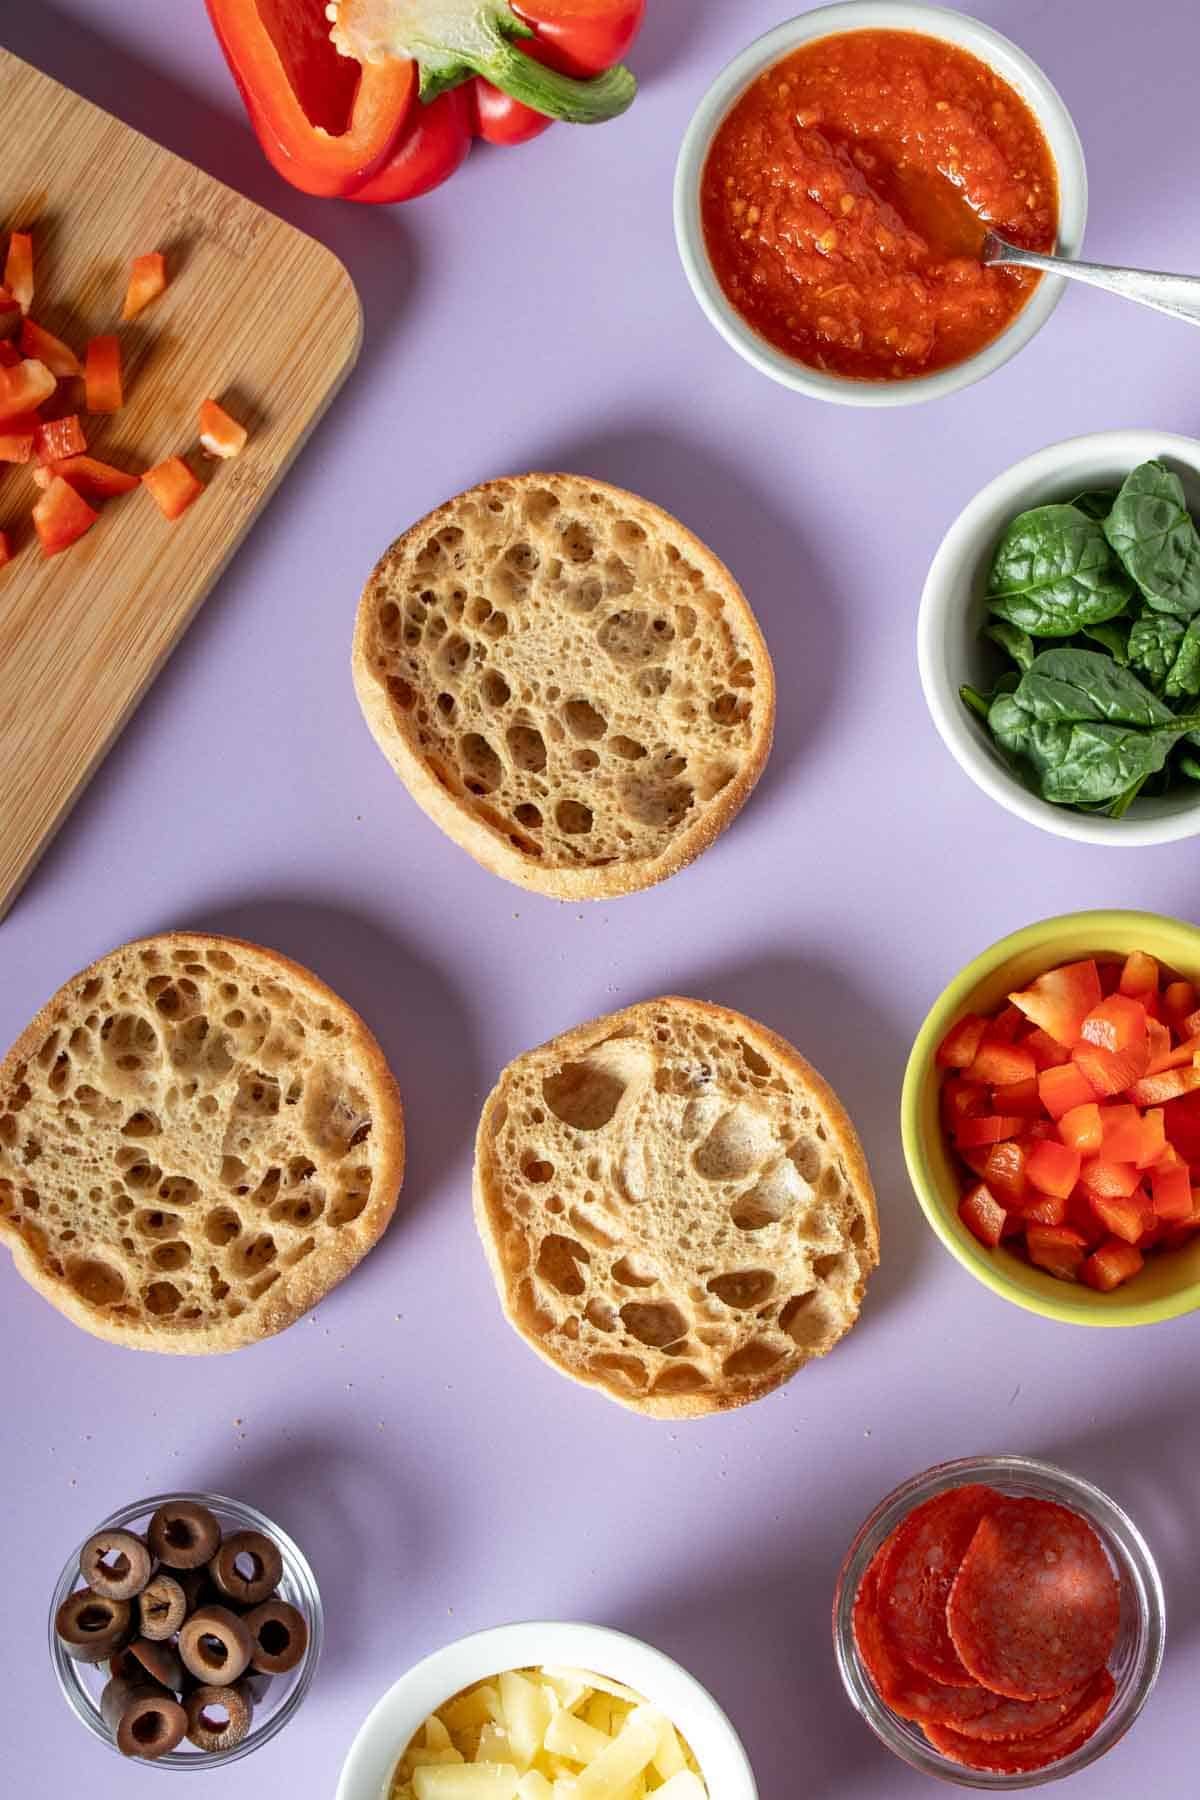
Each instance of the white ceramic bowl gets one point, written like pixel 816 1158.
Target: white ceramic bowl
pixel 1008 61
pixel 951 649
pixel 390 1727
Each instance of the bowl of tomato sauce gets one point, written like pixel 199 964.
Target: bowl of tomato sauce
pixel 834 187
pixel 1051 1118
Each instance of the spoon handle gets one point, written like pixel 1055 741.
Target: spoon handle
pixel 1178 295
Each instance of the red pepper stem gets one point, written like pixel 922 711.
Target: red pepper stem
pixel 548 91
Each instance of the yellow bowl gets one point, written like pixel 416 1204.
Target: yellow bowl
pixel 1170 1282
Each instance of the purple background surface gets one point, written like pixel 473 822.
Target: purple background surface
pixel 441 1478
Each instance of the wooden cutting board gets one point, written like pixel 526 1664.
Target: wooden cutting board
pixel 256 315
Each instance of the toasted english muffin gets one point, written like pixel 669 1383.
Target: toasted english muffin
pixel 567 681
pixel 198 1140
pixel 675 1207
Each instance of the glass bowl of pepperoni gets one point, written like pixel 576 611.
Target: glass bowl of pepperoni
pixel 1032 1604
pixel 831 194
pixel 1110 1246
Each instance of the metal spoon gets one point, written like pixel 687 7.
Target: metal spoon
pixel 1178 295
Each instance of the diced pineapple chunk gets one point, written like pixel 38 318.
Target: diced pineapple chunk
pixel 570 1736
pixel 554 1733
pixel 614 1768
pixel 494 1746
pixel 436 1735
pixel 470 1781
pixel 475 1707
pixel 534 1787
pixel 668 1757
pixel 526 1715
pixel 599 1683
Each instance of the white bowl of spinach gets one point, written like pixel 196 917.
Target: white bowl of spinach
pixel 1059 638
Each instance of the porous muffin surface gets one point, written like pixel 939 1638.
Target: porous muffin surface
pixel 198 1139
pixel 569 682
pixel 675 1207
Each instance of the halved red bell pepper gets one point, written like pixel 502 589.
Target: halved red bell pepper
pixel 350 124
pixel 61 517
pixel 579 37
pixel 6 550
pixel 324 121
pixel 432 145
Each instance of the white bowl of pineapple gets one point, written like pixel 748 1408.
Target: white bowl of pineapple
pixel 547 1712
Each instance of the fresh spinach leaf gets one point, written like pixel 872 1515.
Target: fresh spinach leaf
pixel 1123 802
pixel 1095 502
pixel 1013 641
pixel 1114 635
pixel 1082 685
pixel 1183 679
pixel 1155 537
pixel 1054 572
pixel 1102 761
pixel 1087 730
pixel 974 701
pixel 1154 642
pixel 1189 766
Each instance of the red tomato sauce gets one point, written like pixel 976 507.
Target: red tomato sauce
pixel 846 196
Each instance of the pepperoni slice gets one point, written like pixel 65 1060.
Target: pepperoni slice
pixel 913 1695
pixel 1035 1606
pixel 1023 1719
pixel 1032 1753
pixel 916 1575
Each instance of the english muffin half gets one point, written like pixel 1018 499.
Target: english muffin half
pixel 675 1207
pixel 568 682
pixel 198 1140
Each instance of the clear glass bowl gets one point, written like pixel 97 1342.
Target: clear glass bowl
pixel 1135 1662
pixel 82 1683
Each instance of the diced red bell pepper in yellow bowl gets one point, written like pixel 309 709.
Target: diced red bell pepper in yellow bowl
pixel 1051 1118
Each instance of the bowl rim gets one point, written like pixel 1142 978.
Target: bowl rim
pixel 964 1248
pixel 943 592
pixel 298 1575
pixel 1001 54
pixel 397 1714
pixel 1009 1472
